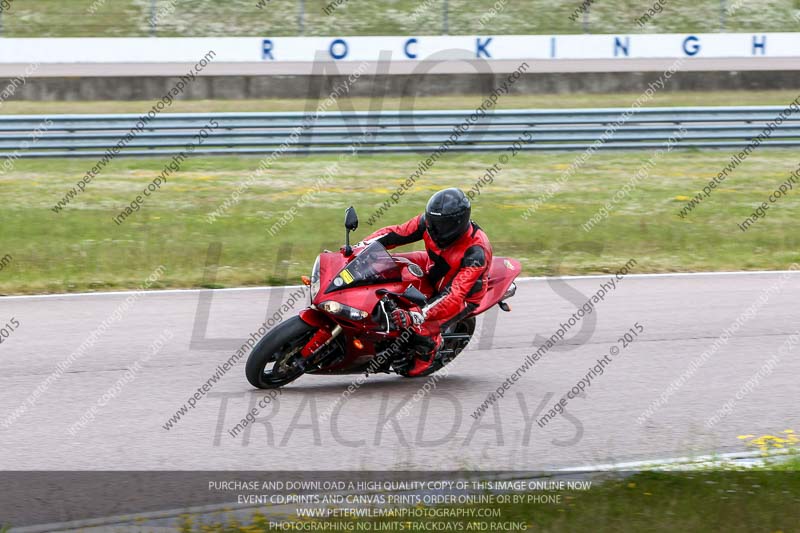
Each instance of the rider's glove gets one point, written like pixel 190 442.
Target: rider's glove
pixel 403 319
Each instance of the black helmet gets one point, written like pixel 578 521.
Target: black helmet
pixel 447 216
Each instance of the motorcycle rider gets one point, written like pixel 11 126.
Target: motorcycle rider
pixel 456 262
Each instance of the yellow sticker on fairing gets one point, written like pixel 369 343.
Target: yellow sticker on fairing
pixel 346 276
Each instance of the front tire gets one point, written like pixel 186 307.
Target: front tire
pixel 276 360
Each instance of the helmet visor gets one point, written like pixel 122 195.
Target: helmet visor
pixel 445 230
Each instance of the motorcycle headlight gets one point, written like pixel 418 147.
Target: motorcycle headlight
pixel 345 311
pixel 314 288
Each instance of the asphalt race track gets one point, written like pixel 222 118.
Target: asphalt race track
pixel 682 316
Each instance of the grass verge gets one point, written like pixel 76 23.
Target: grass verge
pixel 81 248
pixel 526 101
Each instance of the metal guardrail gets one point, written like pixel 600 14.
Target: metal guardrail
pixel 404 131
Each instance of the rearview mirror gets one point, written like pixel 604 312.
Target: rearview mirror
pixel 350 219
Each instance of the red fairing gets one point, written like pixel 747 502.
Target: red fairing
pixel 502 272
pixel 312 317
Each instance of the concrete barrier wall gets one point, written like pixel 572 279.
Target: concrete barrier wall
pixel 294 86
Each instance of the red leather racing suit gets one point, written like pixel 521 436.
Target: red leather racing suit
pixel 458 274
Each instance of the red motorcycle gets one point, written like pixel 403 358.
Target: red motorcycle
pixel 347 329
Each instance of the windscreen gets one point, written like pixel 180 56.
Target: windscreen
pixel 373 265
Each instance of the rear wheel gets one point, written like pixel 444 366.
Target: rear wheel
pixel 454 340
pixel 276 359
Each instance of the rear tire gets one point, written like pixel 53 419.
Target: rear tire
pixel 281 347
pixel 450 347
pixel 463 327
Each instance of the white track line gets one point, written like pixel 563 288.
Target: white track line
pixel 659 464
pixel 273 287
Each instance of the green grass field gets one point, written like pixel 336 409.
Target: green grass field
pixel 194 18
pixel 82 248
pixel 530 101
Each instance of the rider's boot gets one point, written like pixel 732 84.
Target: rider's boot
pixel 424 350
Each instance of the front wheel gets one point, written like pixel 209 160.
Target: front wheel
pixel 276 359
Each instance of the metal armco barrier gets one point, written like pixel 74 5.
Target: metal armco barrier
pixel 404 131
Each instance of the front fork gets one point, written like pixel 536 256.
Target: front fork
pixel 324 334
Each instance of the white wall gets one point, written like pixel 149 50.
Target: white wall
pixel 307 49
